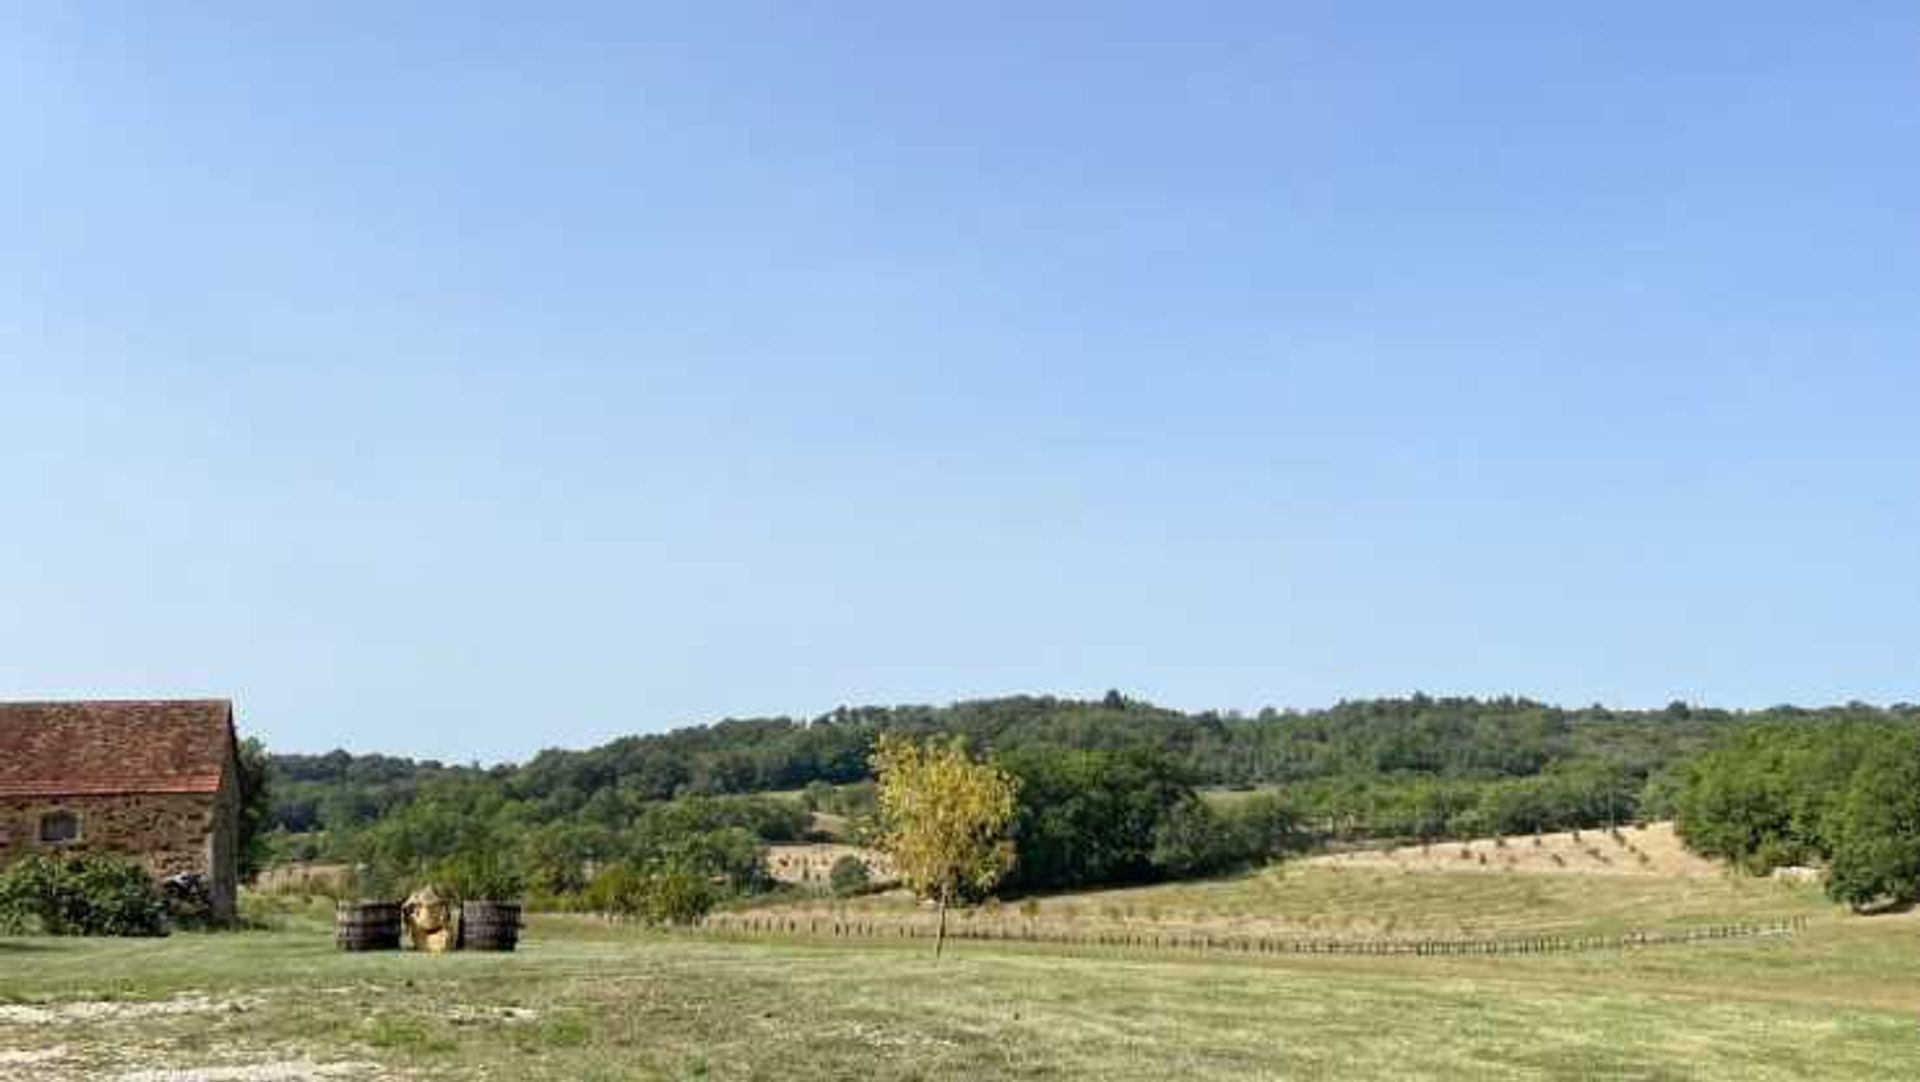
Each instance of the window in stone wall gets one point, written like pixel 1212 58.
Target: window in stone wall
pixel 59 826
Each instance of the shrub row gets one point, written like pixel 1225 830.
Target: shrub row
pixel 81 894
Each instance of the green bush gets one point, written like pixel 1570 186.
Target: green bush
pixel 1875 829
pixel 816 795
pixel 678 896
pixel 1193 840
pixel 84 894
pixel 619 889
pixel 477 874
pixel 1088 817
pixel 849 875
pixel 658 895
pixel 372 883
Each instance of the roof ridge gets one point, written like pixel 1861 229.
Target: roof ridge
pixel 192 700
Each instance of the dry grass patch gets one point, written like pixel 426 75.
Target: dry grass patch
pixel 1653 851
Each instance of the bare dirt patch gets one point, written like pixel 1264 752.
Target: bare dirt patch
pixel 466 1014
pixel 301 1070
pixel 108 1010
pixel 29 1057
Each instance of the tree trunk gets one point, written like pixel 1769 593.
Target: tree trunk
pixel 940 939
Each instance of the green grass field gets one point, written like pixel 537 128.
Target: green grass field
pixel 585 1000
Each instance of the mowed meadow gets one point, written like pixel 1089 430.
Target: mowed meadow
pixel 589 999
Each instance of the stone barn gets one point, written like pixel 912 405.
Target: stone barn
pixel 156 781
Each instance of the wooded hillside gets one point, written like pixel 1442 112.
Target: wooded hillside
pixel 1415 766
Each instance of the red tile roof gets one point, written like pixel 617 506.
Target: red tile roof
pixel 91 748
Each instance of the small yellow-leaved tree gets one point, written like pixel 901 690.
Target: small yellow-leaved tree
pixel 944 819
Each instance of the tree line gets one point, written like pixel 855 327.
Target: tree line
pixel 1110 790
pixel 1080 817
pixel 1413 766
pixel 1845 796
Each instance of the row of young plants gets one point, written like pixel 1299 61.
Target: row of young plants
pixel 779 925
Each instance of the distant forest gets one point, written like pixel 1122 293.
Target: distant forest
pixel 1414 767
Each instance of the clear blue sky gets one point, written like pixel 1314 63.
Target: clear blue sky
pixel 467 381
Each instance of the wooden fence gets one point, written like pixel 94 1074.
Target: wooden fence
pixel 729 924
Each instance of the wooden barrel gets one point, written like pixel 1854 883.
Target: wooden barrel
pixel 366 926
pixel 489 926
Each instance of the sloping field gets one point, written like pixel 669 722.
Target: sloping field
pixel 1405 894
pixel 1651 850
pixel 586 1001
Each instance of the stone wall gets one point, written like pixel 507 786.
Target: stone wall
pixel 224 845
pixel 168 833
